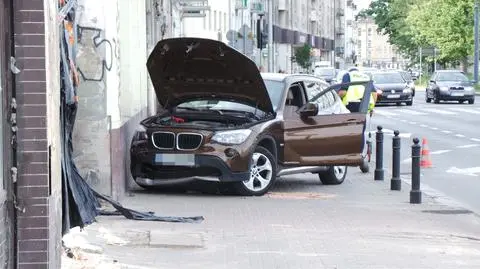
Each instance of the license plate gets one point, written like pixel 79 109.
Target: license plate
pixel 457 94
pixel 175 159
pixel 393 96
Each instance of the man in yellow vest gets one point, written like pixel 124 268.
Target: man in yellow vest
pixel 352 97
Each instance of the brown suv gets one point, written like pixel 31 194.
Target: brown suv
pixel 224 121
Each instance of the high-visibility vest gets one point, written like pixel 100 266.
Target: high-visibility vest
pixel 355 92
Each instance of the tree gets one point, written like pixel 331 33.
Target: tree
pixel 390 16
pixel 445 24
pixel 302 56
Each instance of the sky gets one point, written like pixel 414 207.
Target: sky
pixel 362 4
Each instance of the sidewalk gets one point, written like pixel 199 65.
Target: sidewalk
pixel 300 224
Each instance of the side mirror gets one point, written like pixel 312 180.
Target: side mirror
pixel 309 110
pixel 414 78
pixel 432 81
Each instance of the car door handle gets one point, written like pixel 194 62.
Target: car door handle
pixel 350 120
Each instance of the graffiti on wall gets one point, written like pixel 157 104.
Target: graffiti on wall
pixel 91 37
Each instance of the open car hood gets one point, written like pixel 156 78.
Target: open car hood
pixel 192 68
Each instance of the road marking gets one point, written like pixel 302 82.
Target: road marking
pixel 423 125
pixel 438 152
pixel 459 135
pixel 446 132
pixel 472 171
pixel 468 146
pixel 385 113
pixel 466 110
pixel 409 160
pixel 413 122
pixel 475 139
pixel 413 112
pixel 401 135
pixel 403 120
pixel 439 111
pixel 434 128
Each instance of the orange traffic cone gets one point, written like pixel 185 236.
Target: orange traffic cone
pixel 425 161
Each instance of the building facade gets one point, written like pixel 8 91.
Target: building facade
pixel 351 36
pixel 373 48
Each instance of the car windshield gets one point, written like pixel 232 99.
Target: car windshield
pixel 407 76
pixel 327 72
pixel 275 90
pixel 451 76
pixel 387 78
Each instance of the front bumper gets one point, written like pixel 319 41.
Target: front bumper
pixel 456 96
pixel 394 97
pixel 206 166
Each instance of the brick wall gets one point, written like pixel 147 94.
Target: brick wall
pixel 34 224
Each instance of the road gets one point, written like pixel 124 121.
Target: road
pixel 452 133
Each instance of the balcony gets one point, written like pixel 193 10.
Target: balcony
pixel 241 4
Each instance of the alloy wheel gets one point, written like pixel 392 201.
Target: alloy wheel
pixel 339 171
pixel 261 173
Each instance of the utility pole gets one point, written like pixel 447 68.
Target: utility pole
pixel 270 36
pixel 475 60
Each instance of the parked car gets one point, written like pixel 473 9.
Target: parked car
pixel 234 125
pixel 450 85
pixel 392 88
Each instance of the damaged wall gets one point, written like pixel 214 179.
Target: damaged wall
pixel 114 91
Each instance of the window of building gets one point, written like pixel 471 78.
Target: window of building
pixel 369 31
pixel 225 22
pixel 215 20
pixel 369 43
pixel 209 20
pixel 359 32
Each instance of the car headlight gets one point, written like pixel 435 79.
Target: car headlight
pixel 140 133
pixel 444 89
pixel 469 89
pixel 407 90
pixel 234 137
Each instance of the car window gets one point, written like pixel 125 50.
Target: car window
pixel 451 76
pixel 386 78
pixel 275 91
pixel 324 101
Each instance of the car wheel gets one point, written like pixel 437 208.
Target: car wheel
pixel 436 98
pixel 471 101
pixel 410 103
pixel 335 175
pixel 365 166
pixel 427 99
pixel 263 173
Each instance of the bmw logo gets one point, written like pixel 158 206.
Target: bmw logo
pixel 393 91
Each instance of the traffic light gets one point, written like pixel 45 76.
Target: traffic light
pixel 262 37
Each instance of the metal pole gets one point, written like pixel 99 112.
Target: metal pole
pixel 395 182
pixel 379 172
pixel 229 15
pixel 270 36
pixel 475 69
pixel 416 193
pixel 244 33
pixel 421 69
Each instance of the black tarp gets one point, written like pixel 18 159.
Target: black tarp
pixel 80 203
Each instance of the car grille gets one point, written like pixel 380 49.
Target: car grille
pixel 181 141
pixel 456 88
pixel 188 141
pixel 163 140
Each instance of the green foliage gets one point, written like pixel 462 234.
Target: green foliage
pixel 302 55
pixel 410 24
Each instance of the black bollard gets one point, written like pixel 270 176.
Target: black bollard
pixel 379 172
pixel 416 193
pixel 396 182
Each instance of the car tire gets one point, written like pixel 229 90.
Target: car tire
pixel 427 99
pixel 471 101
pixel 365 166
pixel 335 175
pixel 264 165
pixel 410 103
pixel 436 99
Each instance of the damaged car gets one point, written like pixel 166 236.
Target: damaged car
pixel 224 121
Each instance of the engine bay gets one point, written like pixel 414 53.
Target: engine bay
pixel 205 120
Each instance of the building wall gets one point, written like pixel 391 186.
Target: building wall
pixel 37 94
pixel 373 47
pixel 113 91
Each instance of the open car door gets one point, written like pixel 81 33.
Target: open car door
pixel 323 132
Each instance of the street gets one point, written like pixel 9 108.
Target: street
pixel 451 131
